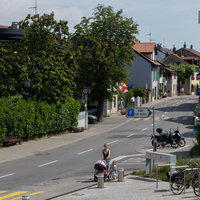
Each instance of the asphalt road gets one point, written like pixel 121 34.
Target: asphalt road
pixel 70 167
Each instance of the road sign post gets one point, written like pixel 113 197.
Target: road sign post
pixel 85 92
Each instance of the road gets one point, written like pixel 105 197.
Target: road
pixel 70 167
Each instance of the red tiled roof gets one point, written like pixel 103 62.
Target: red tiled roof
pixel 4 26
pixel 145 47
pixel 191 51
pixel 190 58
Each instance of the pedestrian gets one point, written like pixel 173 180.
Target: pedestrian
pixel 182 91
pixel 113 170
pixel 106 154
pixel 121 104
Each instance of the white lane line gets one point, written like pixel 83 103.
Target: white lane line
pixel 85 151
pixel 144 129
pixel 158 120
pixel 122 157
pixel 166 112
pixel 7 175
pixel 163 115
pixel 130 135
pixel 48 163
pixel 112 142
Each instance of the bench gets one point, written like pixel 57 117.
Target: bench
pixel 11 139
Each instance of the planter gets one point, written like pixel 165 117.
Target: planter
pixel 78 129
pixel 123 112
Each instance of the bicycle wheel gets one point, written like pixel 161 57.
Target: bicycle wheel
pixel 177 185
pixel 182 142
pixel 196 188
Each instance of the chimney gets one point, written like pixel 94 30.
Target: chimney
pixel 15 25
pixel 185 45
pixel 191 46
pixel 174 48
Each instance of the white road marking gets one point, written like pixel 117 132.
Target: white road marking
pixel 163 115
pixel 144 129
pixel 48 163
pixel 85 151
pixel 112 142
pixel 130 135
pixel 152 124
pixel 165 112
pixel 158 120
pixel 7 175
pixel 122 157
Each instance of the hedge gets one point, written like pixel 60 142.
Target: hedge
pixel 36 118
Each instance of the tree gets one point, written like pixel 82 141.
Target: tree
pixel 49 63
pixel 185 71
pixel 105 43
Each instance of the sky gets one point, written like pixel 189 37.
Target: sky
pixel 171 22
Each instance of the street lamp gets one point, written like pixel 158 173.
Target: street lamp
pixel 27 85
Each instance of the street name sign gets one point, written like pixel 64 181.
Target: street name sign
pixel 137 112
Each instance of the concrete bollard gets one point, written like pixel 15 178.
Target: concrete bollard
pixel 121 175
pixel 101 181
pixel 25 197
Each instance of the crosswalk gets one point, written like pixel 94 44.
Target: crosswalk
pixel 6 194
pixel 162 118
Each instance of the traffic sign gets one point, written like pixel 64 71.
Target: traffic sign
pixel 85 91
pixel 137 112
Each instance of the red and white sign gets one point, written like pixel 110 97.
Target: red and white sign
pixel 85 91
pixel 123 88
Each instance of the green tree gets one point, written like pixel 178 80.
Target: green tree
pixel 185 72
pixel 105 42
pixel 139 91
pixel 49 63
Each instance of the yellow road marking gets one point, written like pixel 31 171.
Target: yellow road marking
pixel 3 191
pixel 165 118
pixel 29 195
pixel 36 193
pixel 12 194
pixel 146 118
pixel 156 118
pixel 136 119
pixel 185 118
pixel 175 118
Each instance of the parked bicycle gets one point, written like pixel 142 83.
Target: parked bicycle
pixel 177 185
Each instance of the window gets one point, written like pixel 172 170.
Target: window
pixel 193 78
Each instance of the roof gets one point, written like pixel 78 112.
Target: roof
pixel 168 68
pixel 145 47
pixel 148 59
pixel 191 51
pixel 4 26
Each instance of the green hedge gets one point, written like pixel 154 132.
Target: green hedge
pixel 36 118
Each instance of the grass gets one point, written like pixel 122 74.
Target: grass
pixel 162 171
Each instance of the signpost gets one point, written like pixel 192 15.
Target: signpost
pixel 85 92
pixel 137 112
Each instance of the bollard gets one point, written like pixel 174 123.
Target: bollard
pixel 25 197
pixel 101 181
pixel 121 175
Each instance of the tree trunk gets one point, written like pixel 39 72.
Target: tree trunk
pixel 100 111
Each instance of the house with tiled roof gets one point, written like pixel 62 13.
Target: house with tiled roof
pixel 145 71
pixel 186 56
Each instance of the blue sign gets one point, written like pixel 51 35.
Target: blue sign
pixel 130 112
pixel 198 91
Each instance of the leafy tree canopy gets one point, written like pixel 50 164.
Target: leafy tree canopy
pixel 50 65
pixel 105 43
pixel 185 71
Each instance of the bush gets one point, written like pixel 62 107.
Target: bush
pixel 128 96
pixel 36 118
pixel 139 91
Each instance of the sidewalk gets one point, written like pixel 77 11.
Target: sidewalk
pixel 133 187
pixel 35 147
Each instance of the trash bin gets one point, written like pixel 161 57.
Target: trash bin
pixel 101 181
pixel 25 197
pixel 121 175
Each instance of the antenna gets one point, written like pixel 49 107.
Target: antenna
pixel 150 36
pixel 34 7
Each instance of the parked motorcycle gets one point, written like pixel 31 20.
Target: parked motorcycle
pixel 177 136
pixel 164 139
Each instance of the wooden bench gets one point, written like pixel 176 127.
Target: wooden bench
pixel 11 139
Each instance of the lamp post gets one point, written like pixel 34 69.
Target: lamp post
pixel 27 85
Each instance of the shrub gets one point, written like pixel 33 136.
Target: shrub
pixel 36 118
pixel 139 91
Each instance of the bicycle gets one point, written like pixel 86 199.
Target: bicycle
pixel 177 186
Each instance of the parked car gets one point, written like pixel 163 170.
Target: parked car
pixel 92 110
pixel 92 119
